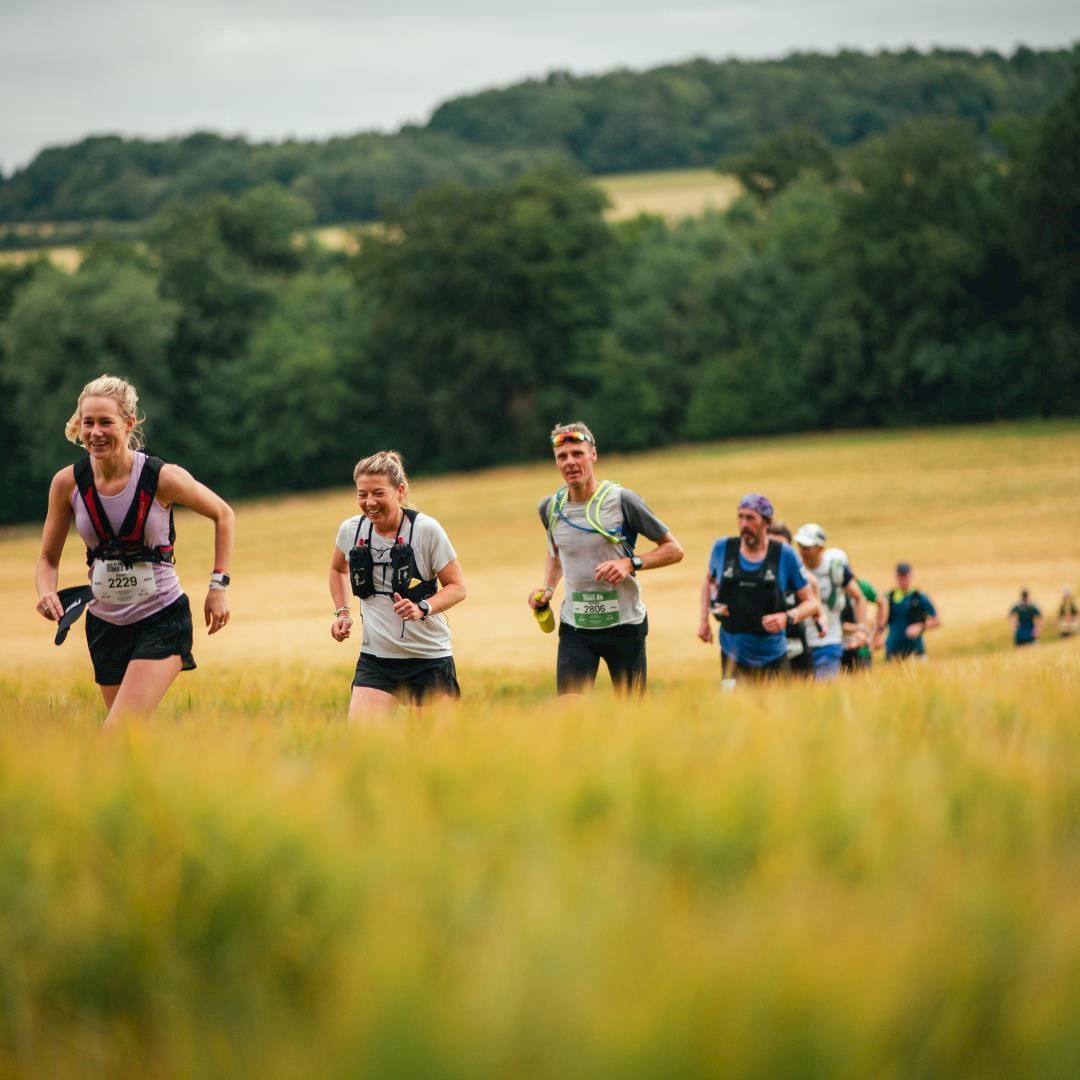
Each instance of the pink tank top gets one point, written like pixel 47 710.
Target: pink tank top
pixel 166 581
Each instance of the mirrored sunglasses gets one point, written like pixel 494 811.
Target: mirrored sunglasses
pixel 562 437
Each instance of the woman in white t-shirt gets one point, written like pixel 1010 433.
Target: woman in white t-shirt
pixel 401 565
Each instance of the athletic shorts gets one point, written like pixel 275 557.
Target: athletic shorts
pixel 157 637
pixel 855 660
pixel 622 648
pixel 775 669
pixel 825 660
pixel 412 682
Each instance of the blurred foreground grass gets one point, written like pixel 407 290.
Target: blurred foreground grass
pixel 881 877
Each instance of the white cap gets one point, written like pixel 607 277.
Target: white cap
pixel 810 535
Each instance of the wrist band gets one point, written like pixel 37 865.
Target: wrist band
pixel 342 611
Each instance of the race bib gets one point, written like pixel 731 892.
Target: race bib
pixel 594 610
pixel 115 583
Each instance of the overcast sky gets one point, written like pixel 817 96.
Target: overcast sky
pixel 273 68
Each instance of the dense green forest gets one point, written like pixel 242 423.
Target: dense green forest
pixel 930 274
pixel 694 113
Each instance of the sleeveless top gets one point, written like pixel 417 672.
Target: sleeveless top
pixel 157 533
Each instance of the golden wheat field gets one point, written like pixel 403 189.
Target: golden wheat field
pixel 879 877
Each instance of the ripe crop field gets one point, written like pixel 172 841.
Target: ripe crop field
pixel 878 877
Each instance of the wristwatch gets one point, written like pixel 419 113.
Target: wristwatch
pixel 219 580
pixel 635 563
pixel 425 609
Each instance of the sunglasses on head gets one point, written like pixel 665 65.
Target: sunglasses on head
pixel 561 437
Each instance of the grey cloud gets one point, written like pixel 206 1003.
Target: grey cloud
pixel 284 67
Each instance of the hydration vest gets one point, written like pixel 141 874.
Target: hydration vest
pixel 916 612
pixel 129 546
pixel 404 577
pixel 749 595
pixel 592 515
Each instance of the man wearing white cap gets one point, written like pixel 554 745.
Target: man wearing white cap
pixel 835 579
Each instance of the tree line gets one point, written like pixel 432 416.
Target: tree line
pixel 689 114
pixel 925 276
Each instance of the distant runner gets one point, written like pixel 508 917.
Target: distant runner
pixel 798 651
pixel 745 583
pixel 138 621
pixel 1026 620
pixel 857 637
pixel 1068 614
pixel 907 613
pixel 592 530
pixel 836 582
pixel 401 565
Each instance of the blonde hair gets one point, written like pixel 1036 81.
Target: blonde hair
pixel 127 402
pixel 388 463
pixel 577 425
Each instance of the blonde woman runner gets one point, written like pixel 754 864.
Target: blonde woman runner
pixel 138 623
pixel 395 559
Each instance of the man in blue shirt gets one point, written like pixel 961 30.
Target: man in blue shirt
pixel 908 614
pixel 744 587
pixel 1026 620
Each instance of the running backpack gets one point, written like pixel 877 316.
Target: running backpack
pixel 129 545
pixel 404 574
pixel 593 509
pixel 749 595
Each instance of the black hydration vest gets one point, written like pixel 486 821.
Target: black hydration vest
pixel 404 575
pixel 129 546
pixel 749 594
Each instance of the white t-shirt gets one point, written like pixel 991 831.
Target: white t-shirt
pixel 832 574
pixel 385 634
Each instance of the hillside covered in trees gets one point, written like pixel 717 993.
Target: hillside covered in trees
pixel 930 274
pixel 691 114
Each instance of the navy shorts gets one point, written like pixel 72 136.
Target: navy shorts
pixel 157 637
pixel 413 682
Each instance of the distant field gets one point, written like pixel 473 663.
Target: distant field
pixel 877 878
pixel 672 194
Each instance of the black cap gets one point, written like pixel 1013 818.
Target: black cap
pixel 73 601
pixel 903 568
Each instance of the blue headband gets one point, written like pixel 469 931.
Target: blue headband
pixel 759 504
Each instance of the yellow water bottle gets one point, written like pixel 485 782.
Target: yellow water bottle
pixel 544 615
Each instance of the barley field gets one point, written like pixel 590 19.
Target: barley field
pixel 878 877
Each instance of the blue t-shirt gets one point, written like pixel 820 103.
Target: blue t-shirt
pixel 1026 614
pixel 905 609
pixel 757 650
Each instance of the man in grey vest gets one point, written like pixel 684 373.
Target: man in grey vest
pixel 592 530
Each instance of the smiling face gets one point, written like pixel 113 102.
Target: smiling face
pixel 575 461
pixel 380 500
pixel 103 430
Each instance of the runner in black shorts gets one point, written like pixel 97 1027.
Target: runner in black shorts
pixel 395 559
pixel 138 623
pixel 592 530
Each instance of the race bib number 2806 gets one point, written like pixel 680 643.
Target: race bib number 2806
pixel 115 583
pixel 593 610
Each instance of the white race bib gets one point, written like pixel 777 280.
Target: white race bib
pixel 595 609
pixel 114 583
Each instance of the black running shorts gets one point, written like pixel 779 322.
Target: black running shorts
pixel 622 648
pixel 165 633
pixel 413 682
